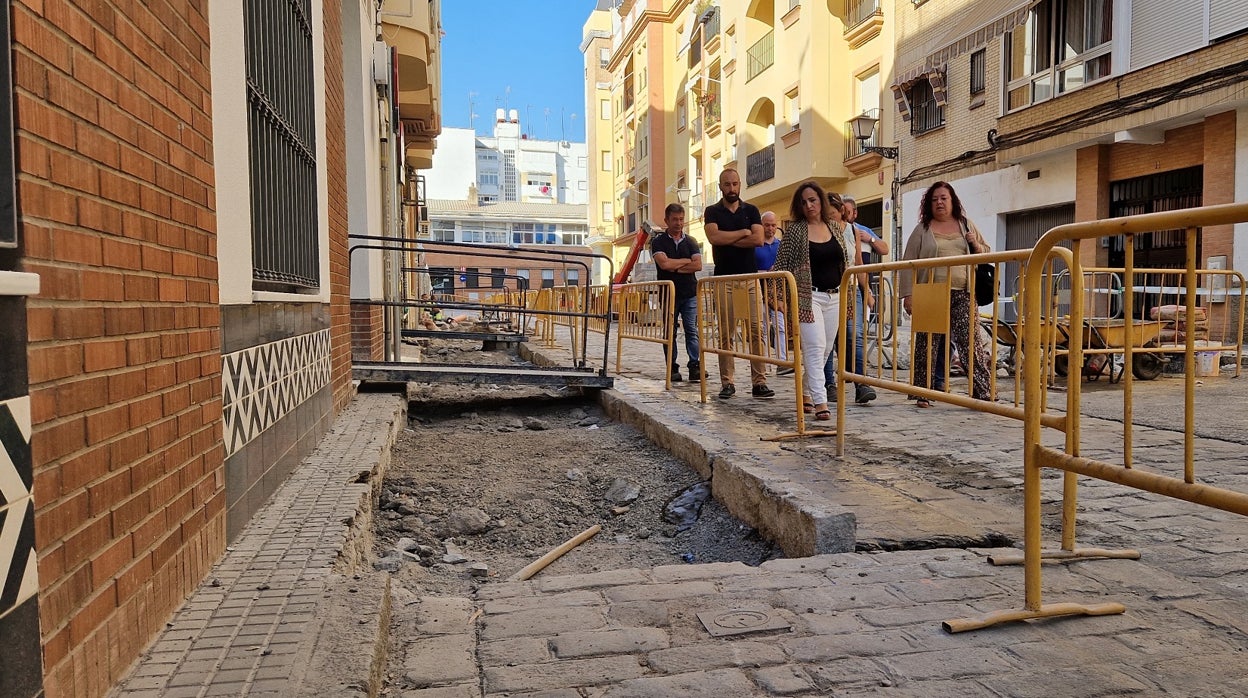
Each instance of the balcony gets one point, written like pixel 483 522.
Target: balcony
pixel 710 30
pixel 855 147
pixel 760 56
pixel 412 28
pixel 695 129
pixel 863 21
pixel 760 165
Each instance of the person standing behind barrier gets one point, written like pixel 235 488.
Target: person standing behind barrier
pixel 863 394
pixel 814 249
pixel 945 231
pixel 868 243
pixel 765 255
pixel 678 258
pixel 734 228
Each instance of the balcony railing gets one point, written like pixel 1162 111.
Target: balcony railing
pixel 712 111
pixel 760 56
pixel 859 11
pixel 710 30
pixel 855 147
pixel 695 129
pixel 760 165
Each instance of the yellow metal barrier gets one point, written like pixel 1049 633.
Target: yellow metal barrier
pixel 647 312
pixel 735 322
pixel 1037 456
pixel 931 315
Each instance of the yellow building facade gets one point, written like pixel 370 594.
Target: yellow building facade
pixel 766 87
pixel 600 170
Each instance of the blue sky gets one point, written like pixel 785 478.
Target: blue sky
pixel 531 46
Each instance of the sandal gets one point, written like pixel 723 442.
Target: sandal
pixel 923 402
pixel 808 408
pixel 823 415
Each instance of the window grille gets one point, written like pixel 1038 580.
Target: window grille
pixel 926 112
pixel 978 74
pixel 281 127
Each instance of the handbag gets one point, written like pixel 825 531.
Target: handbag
pixel 985 283
pixel 985 278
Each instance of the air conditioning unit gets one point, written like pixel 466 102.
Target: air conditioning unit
pixel 381 64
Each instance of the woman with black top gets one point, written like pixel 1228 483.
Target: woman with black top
pixel 813 249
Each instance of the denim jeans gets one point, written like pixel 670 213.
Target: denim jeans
pixel 859 337
pixel 686 314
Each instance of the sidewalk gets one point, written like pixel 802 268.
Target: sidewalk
pixel 835 623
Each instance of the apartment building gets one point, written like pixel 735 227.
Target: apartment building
pixel 521 226
pixel 766 87
pixel 601 201
pixel 175 291
pixel 1052 111
pixel 507 167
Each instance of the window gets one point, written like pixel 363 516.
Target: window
pixel 497 277
pixel 489 179
pixel 925 112
pixel 442 231
pixel 793 107
pixel 472 278
pixel 604 109
pixel 978 79
pixel 1063 45
pixel 548 278
pixel 581 161
pixel 523 281
pixel 574 234
pixel 606 210
pixel 604 57
pixel 606 161
pixel 572 277
pixel 682 114
pixel 282 125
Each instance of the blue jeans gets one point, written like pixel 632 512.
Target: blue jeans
pixel 859 337
pixel 686 314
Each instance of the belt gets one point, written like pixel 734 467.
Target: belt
pixel 825 290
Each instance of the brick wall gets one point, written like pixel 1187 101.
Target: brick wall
pixel 336 164
pixel 367 332
pixel 116 203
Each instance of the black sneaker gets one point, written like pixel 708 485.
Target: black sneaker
pixel 785 372
pixel 676 376
pixel 728 391
pixel 695 372
pixel 831 388
pixel 863 394
pixel 762 391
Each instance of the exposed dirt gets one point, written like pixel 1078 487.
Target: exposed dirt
pixel 507 474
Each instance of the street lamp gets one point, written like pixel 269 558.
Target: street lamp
pixel 863 127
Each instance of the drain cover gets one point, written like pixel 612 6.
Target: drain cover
pixel 740 621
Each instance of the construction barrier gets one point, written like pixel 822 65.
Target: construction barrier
pixel 647 312
pixel 753 317
pixel 1036 350
pixel 931 317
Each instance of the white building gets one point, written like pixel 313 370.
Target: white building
pixel 508 167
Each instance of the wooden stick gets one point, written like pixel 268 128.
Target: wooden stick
pixel 540 563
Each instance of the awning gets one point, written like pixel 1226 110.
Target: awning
pixel 967 32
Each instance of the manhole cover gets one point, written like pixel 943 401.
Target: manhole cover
pixel 739 621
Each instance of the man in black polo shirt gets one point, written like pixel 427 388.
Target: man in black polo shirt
pixel 678 257
pixel 734 228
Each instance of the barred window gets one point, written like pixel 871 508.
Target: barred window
pixel 978 76
pixel 926 112
pixel 281 127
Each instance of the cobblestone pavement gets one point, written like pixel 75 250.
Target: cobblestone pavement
pixel 850 623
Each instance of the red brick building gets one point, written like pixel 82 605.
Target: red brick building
pixel 175 302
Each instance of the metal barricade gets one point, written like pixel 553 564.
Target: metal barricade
pixel 931 315
pixel 1038 456
pixel 647 312
pixel 736 321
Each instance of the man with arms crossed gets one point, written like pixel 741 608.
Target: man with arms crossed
pixel 734 228
pixel 677 257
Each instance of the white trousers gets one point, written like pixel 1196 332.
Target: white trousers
pixel 818 342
